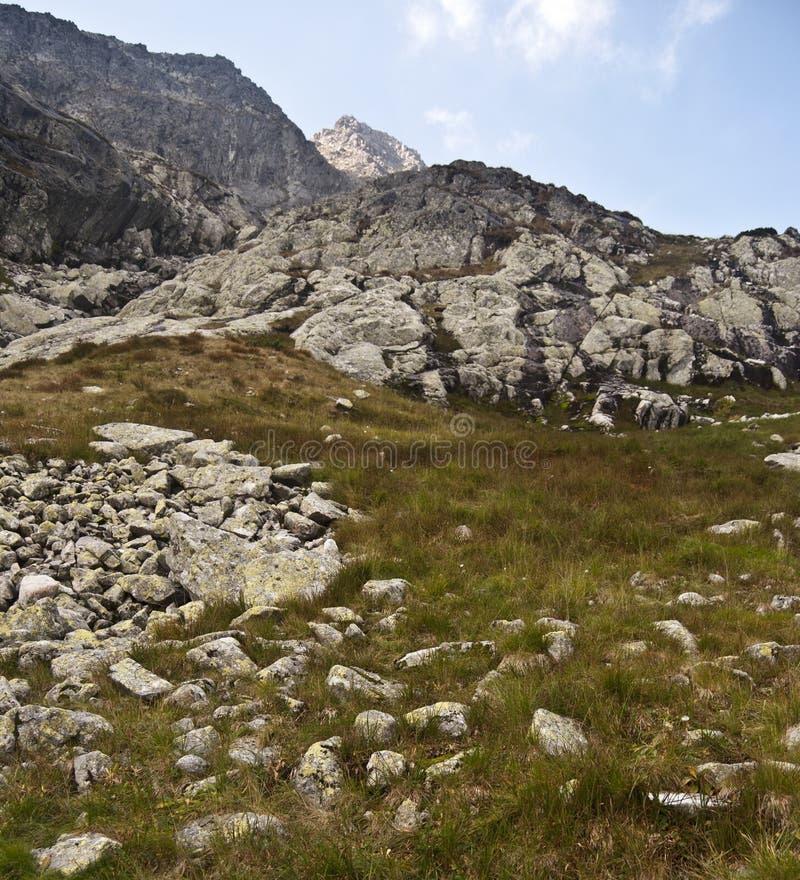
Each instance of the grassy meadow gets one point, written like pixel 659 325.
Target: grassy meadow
pixel 557 532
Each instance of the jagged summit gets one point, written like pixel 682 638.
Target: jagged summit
pixel 364 152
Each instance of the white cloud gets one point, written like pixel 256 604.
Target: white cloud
pixel 431 20
pixel 516 142
pixel 688 16
pixel 544 30
pixel 457 127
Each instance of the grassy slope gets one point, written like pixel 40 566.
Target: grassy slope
pixel 561 538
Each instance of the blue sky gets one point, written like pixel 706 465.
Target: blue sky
pixel 684 112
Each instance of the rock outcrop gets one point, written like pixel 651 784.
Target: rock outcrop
pixel 363 152
pixel 482 281
pixel 198 113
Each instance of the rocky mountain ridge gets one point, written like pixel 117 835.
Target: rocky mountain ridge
pixel 482 281
pixel 364 152
pixel 199 113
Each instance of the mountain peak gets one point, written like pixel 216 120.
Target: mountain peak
pixel 361 151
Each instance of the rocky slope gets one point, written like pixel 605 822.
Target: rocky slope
pixel 198 113
pixel 65 191
pixel 482 281
pixel 363 152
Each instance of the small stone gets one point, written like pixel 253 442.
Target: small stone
pixel 223 655
pixel 376 727
pixel 462 534
pixel 692 804
pixel 90 768
pixel 509 626
pixel 344 681
pixel 73 853
pixel 447 767
pixel 734 527
pixel 427 655
pixel 675 630
pixel 151 589
pixel 341 614
pixel 785 603
pixel 256 614
pixel 192 765
pixel 559 646
pixel 409 818
pixel 384 767
pixel 328 636
pixel 557 735
pixel 354 632
pixel 198 837
pixel 791 739
pixel 202 741
pixel 387 592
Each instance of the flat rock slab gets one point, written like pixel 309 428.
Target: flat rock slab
pixel 73 853
pixel 346 681
pixel 198 837
pixel 428 655
pixel 134 679
pixel 215 481
pixel 223 655
pixel 788 461
pixel 557 735
pixel 143 439
pixel 734 527
pixel 151 589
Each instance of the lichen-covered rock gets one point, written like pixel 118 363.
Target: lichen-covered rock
pixel 217 566
pixel 376 727
pixel 344 681
pixel 215 481
pixel 202 741
pixel 197 838
pixel 409 818
pixel 444 768
pixel 223 655
pixel 152 589
pixel 34 587
pixel 73 853
pixel 319 776
pixel 134 679
pixel 42 620
pixel 446 718
pixel 557 735
pixel 42 729
pixel 386 592
pixel 427 655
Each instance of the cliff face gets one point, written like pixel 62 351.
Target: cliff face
pixel 363 152
pixel 65 191
pixel 197 112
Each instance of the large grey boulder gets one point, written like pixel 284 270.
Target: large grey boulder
pixel 73 853
pixel 216 566
pixel 43 729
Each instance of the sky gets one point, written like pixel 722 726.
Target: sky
pixel 683 112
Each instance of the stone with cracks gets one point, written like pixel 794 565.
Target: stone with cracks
pixel 446 718
pixel 43 729
pixel 344 681
pixel 223 655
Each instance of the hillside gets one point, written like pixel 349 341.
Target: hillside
pixel 540 588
